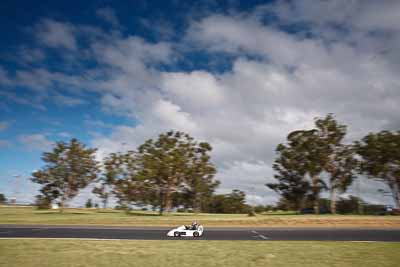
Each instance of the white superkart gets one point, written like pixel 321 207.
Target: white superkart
pixel 183 231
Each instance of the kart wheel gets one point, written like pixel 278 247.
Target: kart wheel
pixel 177 234
pixel 196 234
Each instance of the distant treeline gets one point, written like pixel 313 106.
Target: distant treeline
pixel 344 205
pixel 175 171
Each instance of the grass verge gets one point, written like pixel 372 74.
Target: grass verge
pixel 28 252
pixel 31 216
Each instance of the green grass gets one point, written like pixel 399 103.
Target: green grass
pixel 28 252
pixel 30 215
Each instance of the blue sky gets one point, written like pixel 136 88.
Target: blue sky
pixel 238 74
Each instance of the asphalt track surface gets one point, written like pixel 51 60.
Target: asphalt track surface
pixel 158 233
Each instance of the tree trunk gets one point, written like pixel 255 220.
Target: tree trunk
pixel 168 200
pixel 333 199
pixel 161 199
pixel 161 211
pixel 168 194
pixel 395 192
pixel 197 203
pixel 105 200
pixel 316 194
pixel 62 203
pixel 360 207
pixel 301 204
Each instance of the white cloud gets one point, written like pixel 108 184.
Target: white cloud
pixel 68 101
pixel 56 34
pixel 247 111
pixel 198 88
pixel 35 142
pixel 108 14
pixel 28 55
pixel 250 177
pixel 361 15
pixel 171 115
pixel 278 82
pixel 64 134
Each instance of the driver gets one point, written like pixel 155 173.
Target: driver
pixel 194 225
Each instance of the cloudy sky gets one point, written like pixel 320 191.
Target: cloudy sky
pixel 240 75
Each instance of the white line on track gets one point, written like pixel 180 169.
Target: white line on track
pixel 263 237
pixel 68 238
pixel 260 235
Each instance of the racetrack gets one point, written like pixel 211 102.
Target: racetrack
pixel 158 233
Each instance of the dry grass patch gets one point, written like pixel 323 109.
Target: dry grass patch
pixel 31 216
pixel 29 253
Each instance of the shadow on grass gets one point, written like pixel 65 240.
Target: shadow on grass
pixel 279 214
pixel 132 213
pixel 61 213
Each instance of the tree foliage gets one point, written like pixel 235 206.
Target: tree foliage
pixel 3 198
pixel 42 202
pixel 290 173
pixel 380 154
pixel 338 159
pixel 173 167
pixel 298 166
pixel 233 202
pixel 306 156
pixel 69 168
pixel 200 179
pixel 89 203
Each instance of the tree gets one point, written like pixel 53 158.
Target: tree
pixel 42 202
pixel 348 205
pixel 124 175
pixel 292 184
pixel 175 163
pixel 337 159
pixel 199 178
pixel 89 203
pixel 311 151
pixel 170 171
pixel 3 198
pixel 136 186
pixel 102 193
pixel 113 174
pixel 69 168
pixel 380 153
pixel 341 167
pixel 307 155
pixel 233 202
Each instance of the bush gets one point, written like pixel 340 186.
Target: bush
pixel 89 203
pixel 3 199
pixel 42 202
pixel 251 213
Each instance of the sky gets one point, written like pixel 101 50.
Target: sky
pixel 240 75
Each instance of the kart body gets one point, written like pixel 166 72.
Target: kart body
pixel 186 231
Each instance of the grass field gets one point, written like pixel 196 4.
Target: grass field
pixel 30 215
pixel 27 253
